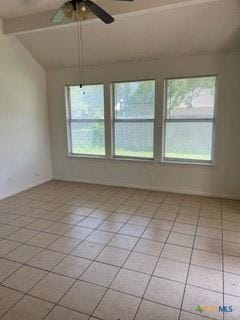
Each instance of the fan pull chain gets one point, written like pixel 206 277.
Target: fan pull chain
pixel 80 49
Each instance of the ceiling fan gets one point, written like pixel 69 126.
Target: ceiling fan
pixel 73 8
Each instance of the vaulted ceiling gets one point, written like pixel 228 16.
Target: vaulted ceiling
pixel 164 30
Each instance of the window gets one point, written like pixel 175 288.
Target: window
pixel 133 120
pixel 189 119
pixel 86 120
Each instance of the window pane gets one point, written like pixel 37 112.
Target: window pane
pixel 188 140
pixel 191 98
pixel 87 102
pixel 134 139
pixel 88 138
pixel 134 100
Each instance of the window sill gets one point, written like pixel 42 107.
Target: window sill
pixel 85 156
pixel 142 160
pixel 95 157
pixel 188 163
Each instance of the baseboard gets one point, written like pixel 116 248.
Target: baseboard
pixel 150 188
pixel 18 190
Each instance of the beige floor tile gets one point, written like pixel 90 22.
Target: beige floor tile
pixel 210 245
pixel 64 245
pixel 119 217
pixel 165 292
pixel 100 237
pixel 161 224
pixel 7 268
pixel 61 313
pixel 116 305
pixel 123 241
pixel 82 211
pixel 207 259
pixel 209 222
pixel 100 214
pixel 8 298
pixel 79 233
pixel 23 253
pixel 229 225
pixel 88 250
pixel 231 248
pixel 187 218
pixel 7 246
pixel 46 260
pixel 52 287
pixel 100 274
pixel 22 221
pixel 232 284
pixel 58 228
pixel 130 282
pixel 205 278
pixel 145 212
pixel 231 236
pixel 177 253
pixel 209 233
pixel 114 256
pixel 110 226
pixel 140 221
pixel 165 216
pixel 232 264
pixel 155 234
pixel 126 209
pixel 7 218
pixel 83 297
pixel 42 240
pixel 181 239
pixel 89 222
pixel 172 270
pixel 149 247
pixel 72 266
pixel 194 208
pixel 22 235
pixel 196 296
pixel 153 311
pixel 72 219
pixel 29 308
pixel 132 230
pixel 7 230
pixel 141 262
pixel 184 228
pixel 234 302
pixel 39 225
pixel 24 278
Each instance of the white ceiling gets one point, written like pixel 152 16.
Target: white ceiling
pixel 198 29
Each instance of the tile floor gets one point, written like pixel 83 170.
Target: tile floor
pixel 71 251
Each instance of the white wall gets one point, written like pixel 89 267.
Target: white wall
pixel 25 157
pixel 223 179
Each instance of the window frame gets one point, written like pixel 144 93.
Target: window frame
pixel 69 121
pixel 114 120
pixel 165 120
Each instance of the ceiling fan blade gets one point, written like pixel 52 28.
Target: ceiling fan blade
pixel 58 16
pixel 99 12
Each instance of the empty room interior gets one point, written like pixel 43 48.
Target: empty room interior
pixel 119 159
